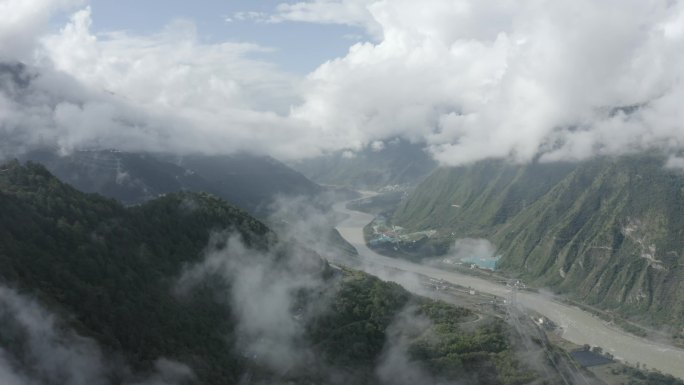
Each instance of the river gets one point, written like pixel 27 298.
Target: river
pixel 578 326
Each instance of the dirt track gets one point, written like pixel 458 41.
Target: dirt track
pixel 578 326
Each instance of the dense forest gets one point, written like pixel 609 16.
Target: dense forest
pixel 162 280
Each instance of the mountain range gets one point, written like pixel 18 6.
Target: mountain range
pixel 608 231
pixel 186 289
pixel 247 181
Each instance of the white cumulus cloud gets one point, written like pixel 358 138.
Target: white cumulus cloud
pixel 23 21
pixel 469 79
pixel 478 79
pixel 166 91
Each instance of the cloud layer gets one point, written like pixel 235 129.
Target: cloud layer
pixel 478 79
pixel 166 91
pixel 23 22
pixel 469 79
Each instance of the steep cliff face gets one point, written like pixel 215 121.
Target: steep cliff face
pixel 610 232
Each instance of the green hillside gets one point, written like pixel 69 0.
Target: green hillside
pixel 608 231
pixel 112 274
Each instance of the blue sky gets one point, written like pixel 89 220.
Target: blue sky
pixel 299 47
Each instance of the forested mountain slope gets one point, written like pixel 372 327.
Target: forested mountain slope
pixel 247 181
pixel 189 279
pixel 609 231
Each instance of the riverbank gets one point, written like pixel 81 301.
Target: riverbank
pixel 578 326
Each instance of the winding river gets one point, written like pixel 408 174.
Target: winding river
pixel 578 326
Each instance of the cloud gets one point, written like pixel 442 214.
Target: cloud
pixel 377 146
pixel 250 15
pixel 308 221
pixel 275 293
pixel 166 91
pixel 24 21
pixel 468 79
pixel 45 353
pixel 478 248
pixel 395 365
pixel 167 372
pixel 353 13
pixel 266 296
pixel 479 79
pixel 36 348
pixel 216 98
pixel 48 109
pixel 171 68
pixel 163 92
pixel 675 162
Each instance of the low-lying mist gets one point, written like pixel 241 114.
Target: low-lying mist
pixel 464 248
pixel 271 293
pixel 38 348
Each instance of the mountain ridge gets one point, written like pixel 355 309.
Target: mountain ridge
pixel 247 181
pixel 114 273
pixel 607 231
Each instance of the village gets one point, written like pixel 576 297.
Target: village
pixel 383 234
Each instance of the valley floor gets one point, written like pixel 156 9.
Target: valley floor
pixel 578 326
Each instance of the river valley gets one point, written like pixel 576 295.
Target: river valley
pixel 578 326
